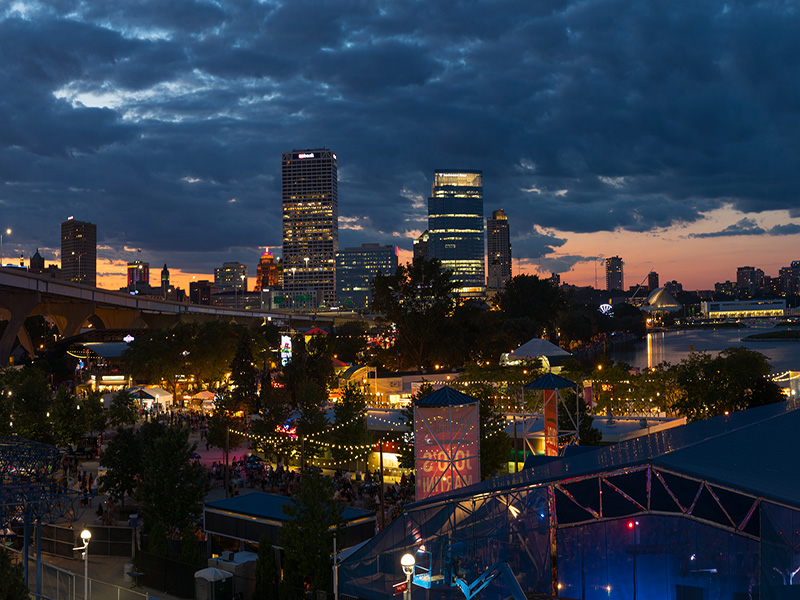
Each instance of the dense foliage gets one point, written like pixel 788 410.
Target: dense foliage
pixel 307 536
pixel 699 387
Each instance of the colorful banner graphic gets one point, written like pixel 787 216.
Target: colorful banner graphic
pixel 446 448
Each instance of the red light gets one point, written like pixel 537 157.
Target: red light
pixel 630 524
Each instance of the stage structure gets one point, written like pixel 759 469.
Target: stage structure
pixel 446 442
pixel 548 400
pixel 28 495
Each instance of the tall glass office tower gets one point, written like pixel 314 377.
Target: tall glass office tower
pixel 455 228
pixel 310 200
pixel 498 251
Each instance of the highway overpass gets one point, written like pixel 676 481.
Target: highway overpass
pixel 71 306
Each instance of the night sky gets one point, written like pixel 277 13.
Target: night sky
pixel 664 132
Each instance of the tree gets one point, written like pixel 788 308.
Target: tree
pixel 417 298
pixel 211 350
pixel 588 434
pixel 6 407
pixel 307 536
pixel 92 413
pixel 614 388
pixel 222 426
pixel 736 379
pixel 310 360
pixel 349 422
pixel 266 571
pixel 30 394
pixel 311 420
pixel 535 301
pixel 405 452
pixel 123 410
pixel 12 580
pixel 123 463
pixel 495 443
pixel 351 340
pixel 185 350
pixel 66 418
pixel 173 487
pixel 275 410
pixel 243 376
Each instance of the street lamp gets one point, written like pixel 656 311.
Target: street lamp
pixel 407 561
pixel 7 232
pixel 86 535
pixel 242 289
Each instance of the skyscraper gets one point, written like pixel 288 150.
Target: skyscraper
pixel 231 276
pixel 79 251
pixel 310 199
pixel 357 267
pixel 421 246
pixel 455 228
pixel 498 251
pixel 615 279
pixel 164 281
pixel 267 274
pixel 748 280
pixel 652 281
pixel 138 272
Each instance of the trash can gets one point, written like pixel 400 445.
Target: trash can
pixel 125 570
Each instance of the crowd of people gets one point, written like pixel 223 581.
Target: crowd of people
pixel 355 489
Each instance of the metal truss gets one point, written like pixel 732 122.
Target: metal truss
pixel 27 492
pixel 24 460
pixel 41 503
pixel 651 490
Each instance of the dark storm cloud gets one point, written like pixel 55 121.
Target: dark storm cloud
pixel 750 227
pixel 164 122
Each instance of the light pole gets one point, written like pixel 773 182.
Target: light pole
pixel 241 294
pixel 294 286
pixel 7 232
pixel 86 535
pixel 408 568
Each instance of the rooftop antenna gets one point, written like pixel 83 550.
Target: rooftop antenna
pixel 600 259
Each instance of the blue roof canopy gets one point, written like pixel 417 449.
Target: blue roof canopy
pixel 548 381
pixel 445 396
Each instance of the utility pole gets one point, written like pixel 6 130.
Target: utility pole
pixel 383 514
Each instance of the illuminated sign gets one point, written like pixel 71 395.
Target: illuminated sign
pixel 606 309
pixel 286 350
pixel 306 155
pixel 128 339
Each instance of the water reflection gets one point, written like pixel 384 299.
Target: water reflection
pixel 674 346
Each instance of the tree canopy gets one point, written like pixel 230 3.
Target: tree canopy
pixel 307 536
pixel 416 298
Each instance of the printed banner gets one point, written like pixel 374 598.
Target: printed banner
pixel 550 423
pixel 446 448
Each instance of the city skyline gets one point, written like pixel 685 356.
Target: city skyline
pixel 164 127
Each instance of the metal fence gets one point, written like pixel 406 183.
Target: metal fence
pixel 62 584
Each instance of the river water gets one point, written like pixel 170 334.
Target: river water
pixel 674 346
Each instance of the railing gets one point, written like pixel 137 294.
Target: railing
pixel 59 583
